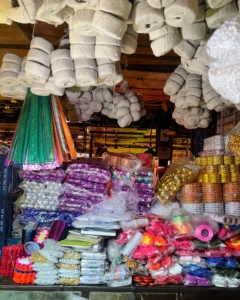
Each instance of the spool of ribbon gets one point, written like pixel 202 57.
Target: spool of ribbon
pixel 204 233
pixel 58 230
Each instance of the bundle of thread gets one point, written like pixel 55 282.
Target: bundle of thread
pixel 69 268
pixel 9 256
pixel 45 262
pixel 23 272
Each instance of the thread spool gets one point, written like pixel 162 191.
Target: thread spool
pixel 205 178
pixel 235 177
pixel 199 178
pixel 223 169
pixel 204 233
pixel 198 160
pixel 210 160
pixel 214 178
pixel 204 161
pixel 203 170
pixel 236 160
pixel 132 224
pixel 211 169
pixel 237 220
pixel 217 160
pixel 228 160
pixel 222 219
pixel 225 178
pixel 234 168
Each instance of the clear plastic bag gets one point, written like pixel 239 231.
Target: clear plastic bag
pixel 234 140
pixel 123 161
pixel 179 173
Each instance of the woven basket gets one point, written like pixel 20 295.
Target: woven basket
pixel 222 169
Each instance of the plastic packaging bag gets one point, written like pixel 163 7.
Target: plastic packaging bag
pixel 182 221
pixel 234 141
pixel 123 161
pixel 179 173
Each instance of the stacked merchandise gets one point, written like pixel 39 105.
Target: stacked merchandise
pixel 45 262
pixel 149 250
pixel 69 271
pixel 129 176
pixel 194 250
pixel 41 195
pixel 93 267
pixel 219 177
pixel 86 184
pixel 191 198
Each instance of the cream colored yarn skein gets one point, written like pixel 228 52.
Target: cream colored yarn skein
pixel 146 18
pixel 181 13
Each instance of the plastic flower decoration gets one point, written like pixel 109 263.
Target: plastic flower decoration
pixel 41 236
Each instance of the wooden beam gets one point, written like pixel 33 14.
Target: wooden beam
pixel 27 30
pixel 141 59
pixel 7 46
pixel 146 80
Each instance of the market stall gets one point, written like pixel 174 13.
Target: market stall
pixel 85 209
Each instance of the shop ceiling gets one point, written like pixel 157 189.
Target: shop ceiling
pixel 145 73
